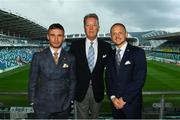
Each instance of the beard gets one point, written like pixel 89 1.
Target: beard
pixel 120 43
pixel 55 45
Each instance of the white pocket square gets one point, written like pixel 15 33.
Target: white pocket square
pixel 65 65
pixel 104 56
pixel 127 62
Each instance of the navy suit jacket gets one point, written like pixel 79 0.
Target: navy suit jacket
pixel 127 81
pixel 51 86
pixel 83 73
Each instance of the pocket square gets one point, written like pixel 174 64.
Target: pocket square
pixel 104 56
pixel 127 62
pixel 65 65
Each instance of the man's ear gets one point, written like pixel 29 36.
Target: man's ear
pixel 126 34
pixel 98 28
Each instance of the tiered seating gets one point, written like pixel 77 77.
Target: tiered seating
pixel 169 46
pixel 9 55
pixel 170 50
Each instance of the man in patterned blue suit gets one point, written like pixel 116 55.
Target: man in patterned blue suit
pixel 52 78
pixel 126 74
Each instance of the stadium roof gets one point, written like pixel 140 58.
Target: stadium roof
pixel 14 25
pixel 168 36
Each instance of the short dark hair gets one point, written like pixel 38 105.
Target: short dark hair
pixel 119 24
pixel 55 26
pixel 91 15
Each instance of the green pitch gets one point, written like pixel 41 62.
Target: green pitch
pixel 161 77
pixel 14 80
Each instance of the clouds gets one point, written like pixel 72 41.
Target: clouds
pixel 145 14
pixel 137 15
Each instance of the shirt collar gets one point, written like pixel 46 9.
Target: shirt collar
pixel 123 47
pixel 58 51
pixel 88 42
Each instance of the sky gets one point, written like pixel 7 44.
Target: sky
pixel 136 15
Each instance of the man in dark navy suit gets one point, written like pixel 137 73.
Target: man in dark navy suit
pixel 126 74
pixel 91 56
pixel 52 78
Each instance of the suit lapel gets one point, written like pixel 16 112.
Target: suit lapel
pixel 82 53
pixel 48 61
pixel 49 57
pixel 113 60
pixel 98 54
pixel 83 47
pixel 126 54
pixel 62 57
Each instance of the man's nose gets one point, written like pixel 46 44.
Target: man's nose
pixel 56 37
pixel 91 27
pixel 117 37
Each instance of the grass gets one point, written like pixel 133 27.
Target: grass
pixel 160 77
pixel 14 80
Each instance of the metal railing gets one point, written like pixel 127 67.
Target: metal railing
pixel 161 105
pixel 162 101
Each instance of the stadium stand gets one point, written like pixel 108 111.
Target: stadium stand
pixel 19 39
pixel 169 46
pixel 14 56
pixel 15 51
pixel 17 26
pixel 165 46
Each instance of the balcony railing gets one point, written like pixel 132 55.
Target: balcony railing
pixel 161 105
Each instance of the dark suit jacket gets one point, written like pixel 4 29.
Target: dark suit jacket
pixel 51 86
pixel 129 81
pixel 83 73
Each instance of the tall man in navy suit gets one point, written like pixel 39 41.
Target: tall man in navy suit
pixel 91 56
pixel 126 74
pixel 52 78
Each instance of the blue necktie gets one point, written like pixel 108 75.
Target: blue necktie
pixel 91 57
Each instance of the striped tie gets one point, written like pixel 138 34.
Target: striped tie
pixel 118 56
pixel 91 57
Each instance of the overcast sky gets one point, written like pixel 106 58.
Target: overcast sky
pixel 137 15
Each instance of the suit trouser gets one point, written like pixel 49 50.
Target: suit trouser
pixel 56 115
pixel 129 114
pixel 118 113
pixel 88 105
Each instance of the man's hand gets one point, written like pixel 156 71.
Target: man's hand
pixel 122 102
pixel 118 103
